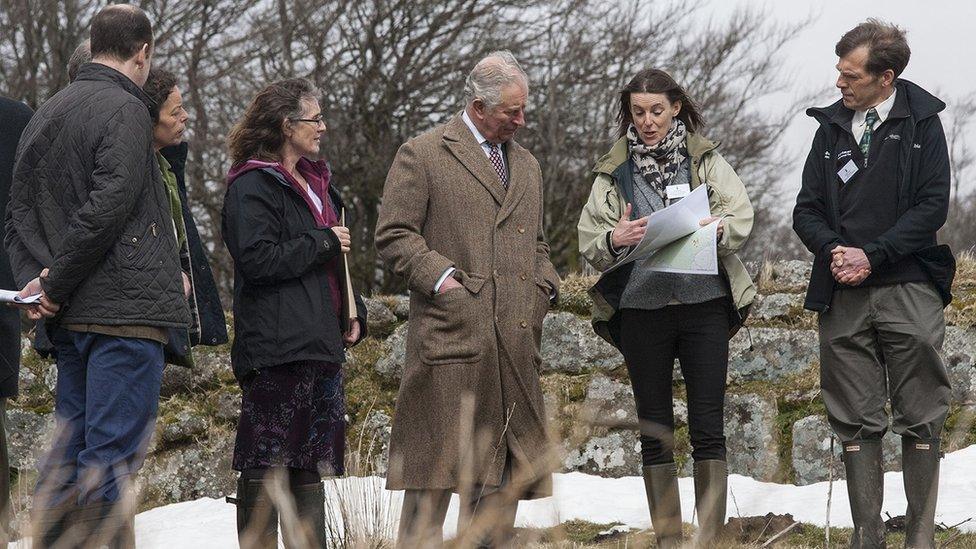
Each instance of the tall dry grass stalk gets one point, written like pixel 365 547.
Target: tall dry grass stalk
pixel 92 525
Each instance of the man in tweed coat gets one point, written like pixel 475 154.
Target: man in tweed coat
pixel 461 221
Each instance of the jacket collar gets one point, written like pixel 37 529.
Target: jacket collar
pixel 461 142
pixel 618 155
pixel 911 100
pixel 104 73
pixel 176 154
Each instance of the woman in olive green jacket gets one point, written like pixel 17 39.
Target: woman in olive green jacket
pixel 655 317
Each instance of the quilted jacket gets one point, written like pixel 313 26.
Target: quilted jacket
pixel 87 202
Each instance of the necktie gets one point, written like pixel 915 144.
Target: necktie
pixel 496 160
pixel 870 118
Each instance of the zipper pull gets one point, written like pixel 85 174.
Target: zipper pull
pixel 153 227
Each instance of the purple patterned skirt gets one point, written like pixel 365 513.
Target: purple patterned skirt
pixel 293 415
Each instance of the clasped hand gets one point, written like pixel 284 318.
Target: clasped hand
pixel 849 266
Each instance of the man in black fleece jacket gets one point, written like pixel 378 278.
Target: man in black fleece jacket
pixel 875 192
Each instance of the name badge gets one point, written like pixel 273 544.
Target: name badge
pixel 678 191
pixel 848 171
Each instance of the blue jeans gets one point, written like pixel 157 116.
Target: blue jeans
pixel 106 400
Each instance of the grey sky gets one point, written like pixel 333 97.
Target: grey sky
pixel 940 34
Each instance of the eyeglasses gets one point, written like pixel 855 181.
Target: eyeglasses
pixel 317 120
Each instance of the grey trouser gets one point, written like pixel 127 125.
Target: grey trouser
pixel 879 343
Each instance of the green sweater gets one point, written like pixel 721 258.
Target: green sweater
pixel 173 192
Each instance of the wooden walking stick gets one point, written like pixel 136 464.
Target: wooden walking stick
pixel 348 295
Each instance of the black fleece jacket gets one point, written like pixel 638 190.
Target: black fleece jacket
pixel 911 145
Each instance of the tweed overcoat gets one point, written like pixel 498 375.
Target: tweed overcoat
pixel 470 397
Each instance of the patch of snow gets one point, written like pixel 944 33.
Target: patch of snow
pixel 211 523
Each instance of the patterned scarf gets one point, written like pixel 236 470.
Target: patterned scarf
pixel 659 163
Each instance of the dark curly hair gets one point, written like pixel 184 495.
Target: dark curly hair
pixel 259 134
pixel 158 87
pixel 658 81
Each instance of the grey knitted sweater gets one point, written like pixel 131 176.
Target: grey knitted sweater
pixel 650 290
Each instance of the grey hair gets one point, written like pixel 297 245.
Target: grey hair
pixel 495 71
pixel 79 57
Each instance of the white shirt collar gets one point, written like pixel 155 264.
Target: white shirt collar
pixel 474 129
pixel 883 108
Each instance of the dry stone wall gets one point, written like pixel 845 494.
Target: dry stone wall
pixel 775 425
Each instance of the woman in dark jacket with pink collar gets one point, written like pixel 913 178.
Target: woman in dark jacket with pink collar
pixel 281 224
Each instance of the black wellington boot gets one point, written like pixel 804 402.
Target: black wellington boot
pixel 50 525
pixel 105 524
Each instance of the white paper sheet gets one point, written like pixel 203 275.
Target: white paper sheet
pixel 10 296
pixel 675 233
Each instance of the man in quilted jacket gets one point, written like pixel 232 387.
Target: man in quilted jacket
pixel 89 229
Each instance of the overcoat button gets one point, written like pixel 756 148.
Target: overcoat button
pixel 523 277
pixel 523 324
pixel 521 230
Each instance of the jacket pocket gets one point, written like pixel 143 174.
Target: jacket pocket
pixel 940 266
pixel 454 325
pixel 136 250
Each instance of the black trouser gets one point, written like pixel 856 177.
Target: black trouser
pixel 698 336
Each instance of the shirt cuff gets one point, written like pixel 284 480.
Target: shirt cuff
pixel 447 273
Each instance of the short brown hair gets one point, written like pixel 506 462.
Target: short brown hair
pixel 158 87
pixel 886 43
pixel 79 57
pixel 258 134
pixel 119 31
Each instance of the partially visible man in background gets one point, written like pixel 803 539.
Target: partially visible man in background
pixel 13 118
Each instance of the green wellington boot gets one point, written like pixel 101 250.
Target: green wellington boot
pixel 920 469
pixel 711 486
pixel 257 518
pixel 661 485
pixel 310 505
pixel 865 489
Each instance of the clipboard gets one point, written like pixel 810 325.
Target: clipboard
pixel 348 295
